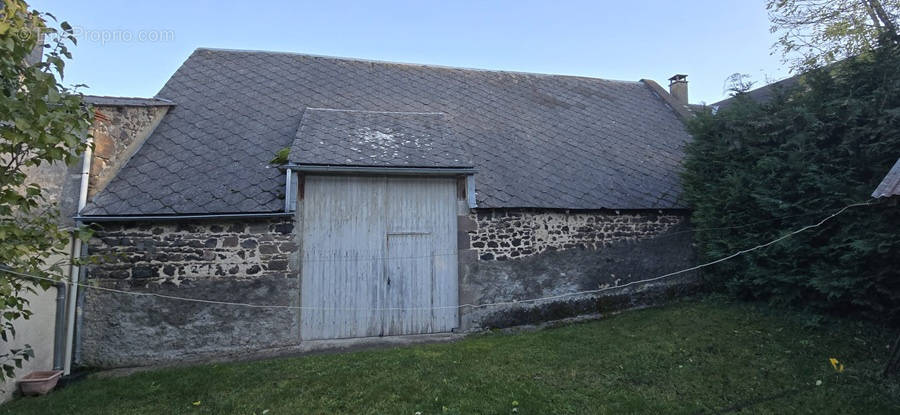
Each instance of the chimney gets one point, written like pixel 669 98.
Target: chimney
pixel 678 88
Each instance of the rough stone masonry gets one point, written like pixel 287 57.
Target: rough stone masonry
pixel 512 233
pixel 505 255
pixel 232 261
pixel 523 254
pixel 118 132
pixel 175 252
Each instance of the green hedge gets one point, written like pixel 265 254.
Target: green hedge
pixel 776 166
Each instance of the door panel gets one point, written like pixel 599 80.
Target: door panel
pixel 377 254
pixel 342 270
pixel 410 274
pixel 428 206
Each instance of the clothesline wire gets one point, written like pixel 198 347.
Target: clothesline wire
pixel 468 305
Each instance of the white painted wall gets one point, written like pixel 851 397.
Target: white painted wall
pixel 36 331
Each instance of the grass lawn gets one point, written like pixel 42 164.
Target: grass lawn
pixel 699 356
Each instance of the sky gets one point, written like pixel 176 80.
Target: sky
pixel 130 48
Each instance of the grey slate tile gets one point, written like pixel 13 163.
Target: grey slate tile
pixel 373 138
pixel 536 140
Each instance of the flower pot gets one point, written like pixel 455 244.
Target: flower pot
pixel 39 382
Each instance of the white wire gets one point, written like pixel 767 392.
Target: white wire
pixel 503 303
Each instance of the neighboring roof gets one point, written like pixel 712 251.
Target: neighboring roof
pixel 890 186
pixel 761 94
pixel 536 140
pixel 372 138
pixel 126 101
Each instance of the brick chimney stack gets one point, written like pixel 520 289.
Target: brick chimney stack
pixel 678 87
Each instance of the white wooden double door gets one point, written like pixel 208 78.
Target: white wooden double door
pixel 378 256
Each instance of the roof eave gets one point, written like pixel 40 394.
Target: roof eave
pixel 387 170
pixel 175 217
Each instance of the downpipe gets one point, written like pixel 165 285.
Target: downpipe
pixel 79 307
pixel 59 335
pixel 59 332
pixel 71 309
pixel 77 253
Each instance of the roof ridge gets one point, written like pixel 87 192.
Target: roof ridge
pixel 377 112
pixel 113 98
pixel 682 110
pixel 413 64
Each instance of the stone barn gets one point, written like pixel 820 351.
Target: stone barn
pixel 303 198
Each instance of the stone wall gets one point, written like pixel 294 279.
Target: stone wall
pixel 230 261
pixel 174 252
pixel 504 255
pixel 118 132
pixel 523 254
pixel 505 234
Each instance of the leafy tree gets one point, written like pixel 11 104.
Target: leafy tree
pixel 825 31
pixel 774 166
pixel 41 121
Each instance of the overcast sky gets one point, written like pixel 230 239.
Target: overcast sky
pixel 130 48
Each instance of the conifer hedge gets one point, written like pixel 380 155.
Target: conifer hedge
pixel 772 167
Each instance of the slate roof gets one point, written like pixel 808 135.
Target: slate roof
pixel 762 94
pixel 536 140
pixel 373 138
pixel 890 186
